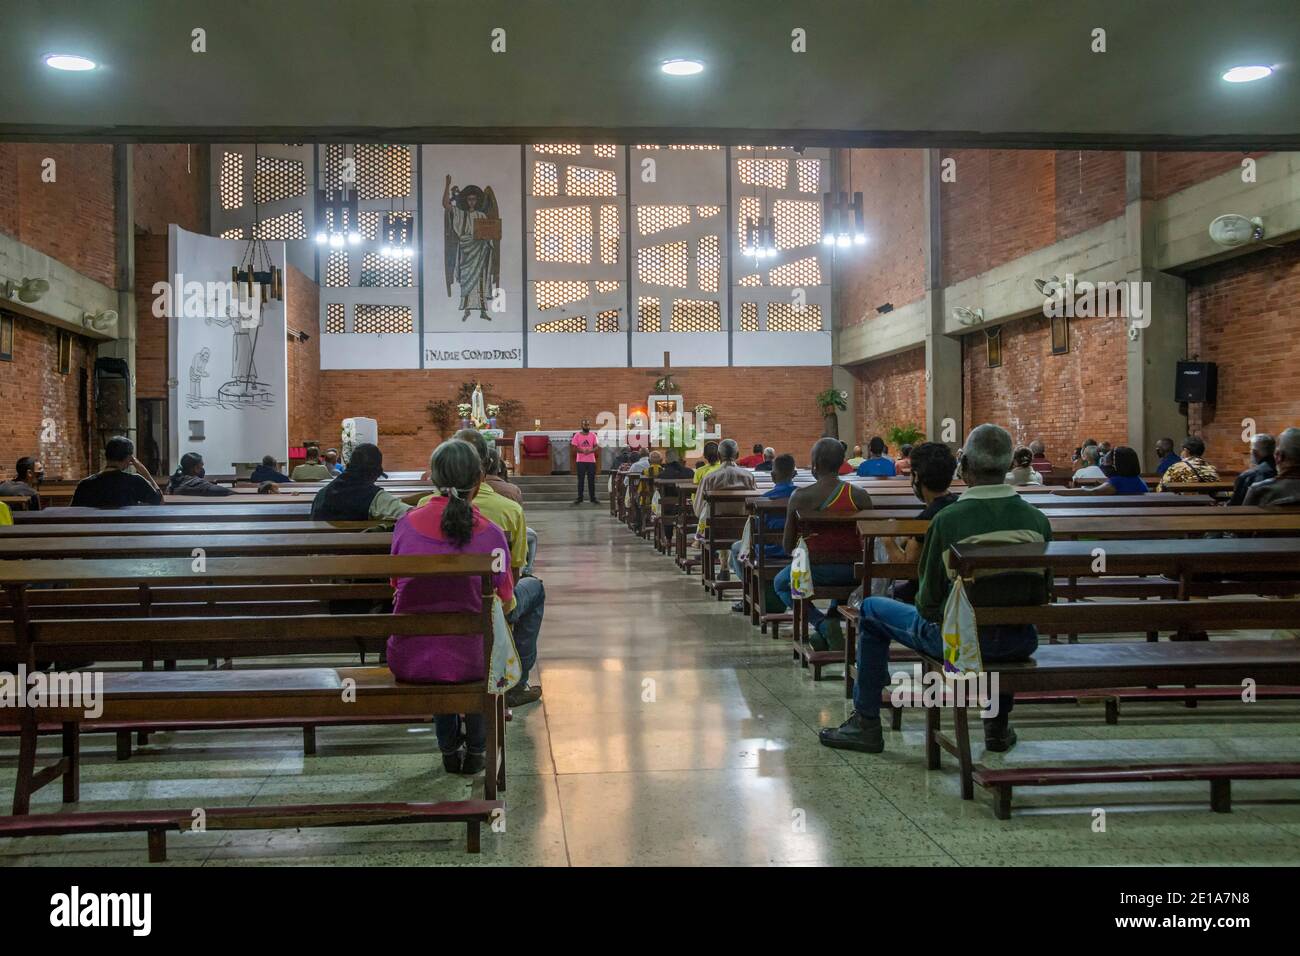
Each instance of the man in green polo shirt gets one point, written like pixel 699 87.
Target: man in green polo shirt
pixel 987 507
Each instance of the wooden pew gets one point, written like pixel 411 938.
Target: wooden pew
pixel 239 511
pixel 189 698
pixel 90 529
pixel 186 545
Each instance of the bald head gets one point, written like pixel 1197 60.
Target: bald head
pixel 827 456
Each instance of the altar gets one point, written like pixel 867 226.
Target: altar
pixel 561 452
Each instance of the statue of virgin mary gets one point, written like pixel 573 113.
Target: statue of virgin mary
pixel 477 408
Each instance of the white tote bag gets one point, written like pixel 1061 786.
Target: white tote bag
pixel 503 669
pixel 801 582
pixel 961 639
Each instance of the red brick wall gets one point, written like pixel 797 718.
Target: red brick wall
pixel 891 391
pixel 302 296
pixel 770 405
pixel 151 332
pixel 1177 171
pixel 33 391
pixel 1090 190
pixel 72 219
pixel 1242 314
pixel 891 266
pixel 1061 399
pixel 166 191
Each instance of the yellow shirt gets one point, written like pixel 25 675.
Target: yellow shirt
pixel 506 515
pixel 706 469
pixel 5 516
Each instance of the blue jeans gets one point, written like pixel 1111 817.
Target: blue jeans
pixel 526 622
pixel 447 727
pixel 734 561
pixel 883 620
pixel 831 575
pixel 531 537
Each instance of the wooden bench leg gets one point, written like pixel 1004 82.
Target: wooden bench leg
pixel 962 730
pixel 1002 801
pixel 26 764
pixel 472 844
pixel 309 741
pixel 932 728
pixel 491 714
pixel 141 737
pixel 157 846
pixel 1221 795
pixel 72 755
pixel 1112 710
pixel 501 744
pixel 123 745
pixel 895 717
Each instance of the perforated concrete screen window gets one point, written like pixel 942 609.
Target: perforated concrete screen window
pixel 648 316
pixel 558 149
pixel 233 234
pixel 337 274
pixel 609 228
pixel 769 173
pixel 801 272
pixel 551 295
pixel 289 225
pixel 386 271
pixel 383 319
pixel 572 323
pixel 656 218
pixel 707 212
pixel 335 318
pixel 605 152
pixel 709 256
pixel 695 315
pixel 663 264
pixel 278 179
pixel 383 171
pixel 563 234
pixel 608 286
pixel 607 321
pixel 231 183
pixel 750 281
pixel 749 316
pixel 749 208
pixel 783 317
pixel 810 175
pixel 586 181
pixel 546 179
pixel 796 223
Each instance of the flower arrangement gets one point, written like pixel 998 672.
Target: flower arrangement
pixel 348 440
pixel 463 409
pixel 493 411
pixel 703 412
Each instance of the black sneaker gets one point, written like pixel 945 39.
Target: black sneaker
pixel 857 733
pixel 473 763
pixel 998 739
pixel 595 501
pixel 452 762
pixel 522 694
pixel 578 502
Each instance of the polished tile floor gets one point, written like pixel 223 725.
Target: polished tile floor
pixel 673 733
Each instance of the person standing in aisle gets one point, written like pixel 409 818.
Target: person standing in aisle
pixel 585 445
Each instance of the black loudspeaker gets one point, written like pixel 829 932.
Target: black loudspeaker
pixel 1196 382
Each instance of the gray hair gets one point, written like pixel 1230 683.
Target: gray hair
pixel 988 452
pixel 1037 447
pixel 1266 444
pixel 1090 453
pixel 769 452
pixel 1288 445
pixel 728 449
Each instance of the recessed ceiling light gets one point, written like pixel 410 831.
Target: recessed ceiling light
pixel 68 61
pixel 682 67
pixel 1245 74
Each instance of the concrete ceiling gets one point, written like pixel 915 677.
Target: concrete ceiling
pixel 877 72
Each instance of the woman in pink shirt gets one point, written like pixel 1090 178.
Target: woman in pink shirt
pixel 448 524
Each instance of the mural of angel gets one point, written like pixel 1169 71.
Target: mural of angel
pixel 472 246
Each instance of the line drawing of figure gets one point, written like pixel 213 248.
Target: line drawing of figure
pixel 243 389
pixel 198 372
pixel 472 245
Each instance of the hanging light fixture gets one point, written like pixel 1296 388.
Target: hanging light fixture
pixel 839 216
pixel 256 276
pixel 337 208
pixel 398 236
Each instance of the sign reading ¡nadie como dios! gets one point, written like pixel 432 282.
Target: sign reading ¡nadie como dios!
pixel 472 355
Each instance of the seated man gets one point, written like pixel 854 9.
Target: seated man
pixel 525 617
pixel 27 475
pixel 1090 470
pixel 1165 455
pixel 769 457
pixel 856 458
pixel 1285 488
pixel 833 551
pixel 268 470
pixel 115 487
pixel 932 467
pixel 754 459
pixel 312 469
pixel 878 464
pixel 988 506
pixel 712 461
pixel 332 461
pixel 189 479
pixel 1040 463
pixel 1191 469
pixel 1262 450
pixel 782 488
pixel 355 495
pixel 729 476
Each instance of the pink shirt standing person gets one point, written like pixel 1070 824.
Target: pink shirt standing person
pixel 585 445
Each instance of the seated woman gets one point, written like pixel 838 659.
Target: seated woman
pixel 448 524
pixel 1022 469
pixel 1127 478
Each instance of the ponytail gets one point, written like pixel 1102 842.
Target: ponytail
pixel 457 518
pixel 455 468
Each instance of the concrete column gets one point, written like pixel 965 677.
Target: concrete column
pixel 943 378
pixel 124 346
pixel 1154 349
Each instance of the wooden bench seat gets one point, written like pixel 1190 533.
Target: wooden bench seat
pixel 1220 776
